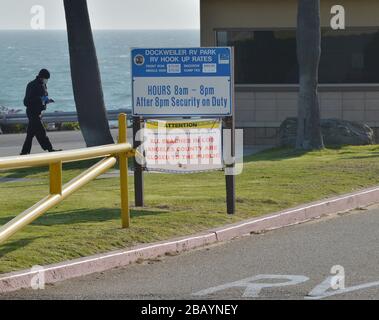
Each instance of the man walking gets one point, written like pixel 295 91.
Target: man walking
pixel 36 100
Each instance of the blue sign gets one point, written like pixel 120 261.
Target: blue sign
pixel 182 81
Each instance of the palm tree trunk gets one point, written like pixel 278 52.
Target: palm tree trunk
pixel 308 52
pixel 85 75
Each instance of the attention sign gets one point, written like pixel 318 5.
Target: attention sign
pixel 173 82
pixel 183 146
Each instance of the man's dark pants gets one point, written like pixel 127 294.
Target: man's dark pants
pixel 35 129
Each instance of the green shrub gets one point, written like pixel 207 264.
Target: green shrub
pixel 13 128
pixel 70 126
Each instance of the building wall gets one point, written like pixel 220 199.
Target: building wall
pixel 261 112
pixel 261 108
pixel 216 14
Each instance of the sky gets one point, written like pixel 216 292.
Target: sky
pixel 107 14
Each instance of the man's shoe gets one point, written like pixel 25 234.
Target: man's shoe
pixel 24 153
pixel 55 150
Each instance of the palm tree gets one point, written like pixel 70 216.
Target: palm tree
pixel 309 135
pixel 85 75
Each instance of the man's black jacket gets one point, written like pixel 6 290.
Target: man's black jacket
pixel 35 90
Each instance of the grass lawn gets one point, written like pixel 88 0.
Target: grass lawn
pixel 88 222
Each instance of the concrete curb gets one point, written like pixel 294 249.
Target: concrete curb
pixel 102 262
pixel 300 214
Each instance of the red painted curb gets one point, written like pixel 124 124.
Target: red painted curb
pixel 102 262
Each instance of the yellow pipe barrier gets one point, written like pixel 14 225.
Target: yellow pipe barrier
pixel 56 178
pixel 52 200
pixel 57 194
pixel 42 159
pixel 123 163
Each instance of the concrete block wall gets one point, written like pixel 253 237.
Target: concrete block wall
pixel 260 136
pixel 260 113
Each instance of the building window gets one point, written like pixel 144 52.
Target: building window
pixel 269 56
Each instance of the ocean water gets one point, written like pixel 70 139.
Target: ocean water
pixel 24 53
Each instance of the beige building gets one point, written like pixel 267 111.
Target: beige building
pixel 263 33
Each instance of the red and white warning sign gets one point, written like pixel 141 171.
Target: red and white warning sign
pixel 183 146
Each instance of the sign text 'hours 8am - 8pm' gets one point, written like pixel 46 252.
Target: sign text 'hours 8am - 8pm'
pixel 182 82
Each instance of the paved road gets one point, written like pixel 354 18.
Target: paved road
pixel 10 144
pixel 302 255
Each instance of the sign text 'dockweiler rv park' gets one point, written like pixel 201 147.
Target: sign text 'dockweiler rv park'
pixel 182 82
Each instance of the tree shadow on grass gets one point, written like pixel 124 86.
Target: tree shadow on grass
pixel 374 155
pixel 275 154
pixel 86 215
pixel 282 153
pixel 18 184
pixel 25 172
pixel 12 245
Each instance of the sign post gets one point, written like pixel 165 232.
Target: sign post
pixel 138 170
pixel 230 178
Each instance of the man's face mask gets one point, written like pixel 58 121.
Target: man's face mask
pixel 45 81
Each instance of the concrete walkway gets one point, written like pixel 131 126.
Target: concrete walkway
pixel 10 144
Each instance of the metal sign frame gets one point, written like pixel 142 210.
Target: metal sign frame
pixel 228 121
